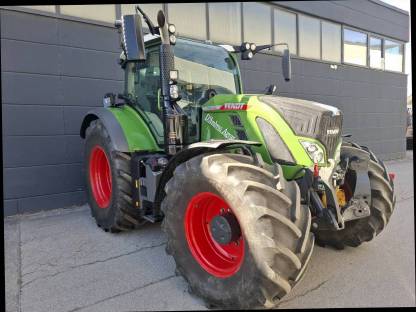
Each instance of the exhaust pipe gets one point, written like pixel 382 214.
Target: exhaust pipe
pixel 175 121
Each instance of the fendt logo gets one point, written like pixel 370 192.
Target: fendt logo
pixel 332 131
pixel 226 107
pixel 234 106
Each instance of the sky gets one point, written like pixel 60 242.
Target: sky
pixel 405 5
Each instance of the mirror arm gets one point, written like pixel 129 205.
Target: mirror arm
pixel 153 29
pixel 268 46
pixel 125 98
pixel 237 49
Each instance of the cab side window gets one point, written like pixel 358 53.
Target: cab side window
pixel 143 86
pixel 146 82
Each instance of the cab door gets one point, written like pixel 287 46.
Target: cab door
pixel 142 85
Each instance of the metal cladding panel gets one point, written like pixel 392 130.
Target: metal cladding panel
pixel 51 75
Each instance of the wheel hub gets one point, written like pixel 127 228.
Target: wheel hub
pixel 213 235
pixel 225 228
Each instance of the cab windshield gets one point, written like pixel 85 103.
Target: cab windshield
pixel 201 67
pixel 204 66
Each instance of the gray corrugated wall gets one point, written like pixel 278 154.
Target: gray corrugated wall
pixel 54 70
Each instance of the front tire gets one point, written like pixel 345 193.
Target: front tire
pixel 382 205
pixel 266 260
pixel 108 182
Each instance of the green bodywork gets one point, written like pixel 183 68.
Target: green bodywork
pixel 254 109
pixel 146 134
pixel 217 124
pixel 136 130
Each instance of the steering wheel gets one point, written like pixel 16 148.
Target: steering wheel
pixel 207 95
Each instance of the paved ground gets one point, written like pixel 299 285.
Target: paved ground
pixel 60 261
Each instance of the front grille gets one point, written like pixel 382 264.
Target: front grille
pixel 329 132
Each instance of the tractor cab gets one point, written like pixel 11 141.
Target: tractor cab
pixel 204 70
pixel 168 80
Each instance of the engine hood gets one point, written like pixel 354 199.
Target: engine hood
pixel 309 119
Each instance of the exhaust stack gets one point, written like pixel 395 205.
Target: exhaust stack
pixel 174 118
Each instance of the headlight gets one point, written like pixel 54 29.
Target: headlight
pixel 174 92
pixel 173 75
pixel 314 151
pixel 172 39
pixel 312 148
pixel 172 29
pixel 253 47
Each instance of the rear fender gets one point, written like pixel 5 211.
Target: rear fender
pixel 127 129
pixel 110 123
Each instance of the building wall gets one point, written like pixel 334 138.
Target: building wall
pixel 55 69
pixel 371 15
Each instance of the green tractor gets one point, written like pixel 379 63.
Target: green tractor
pixel 244 183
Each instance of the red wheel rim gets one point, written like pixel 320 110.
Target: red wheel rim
pixel 218 260
pixel 100 176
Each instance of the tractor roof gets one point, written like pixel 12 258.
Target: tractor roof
pixel 150 39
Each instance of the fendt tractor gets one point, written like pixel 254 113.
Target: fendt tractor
pixel 244 183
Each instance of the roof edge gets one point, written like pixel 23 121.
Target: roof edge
pixel 382 3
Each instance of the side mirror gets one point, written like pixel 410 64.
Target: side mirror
pixel 109 100
pixel 133 38
pixel 286 65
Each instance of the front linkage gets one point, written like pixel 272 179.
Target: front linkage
pixel 331 200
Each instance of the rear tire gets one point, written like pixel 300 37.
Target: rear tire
pixel 275 228
pixel 382 205
pixel 116 213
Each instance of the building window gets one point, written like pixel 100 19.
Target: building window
pixel 331 42
pixel 151 10
pixel 355 47
pixel 47 8
pixel 309 37
pixel 285 30
pixel 257 23
pixel 189 19
pixel 98 12
pixel 393 53
pixel 376 60
pixel 225 22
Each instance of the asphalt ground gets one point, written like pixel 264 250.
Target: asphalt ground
pixel 61 261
